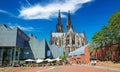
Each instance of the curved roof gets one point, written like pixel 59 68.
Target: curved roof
pixel 78 51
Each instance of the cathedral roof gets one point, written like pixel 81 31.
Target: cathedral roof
pixel 82 34
pixel 70 30
pixel 57 34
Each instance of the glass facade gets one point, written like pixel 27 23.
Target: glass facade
pixel 13 44
pixel 5 56
pixel 1 56
pixel 9 56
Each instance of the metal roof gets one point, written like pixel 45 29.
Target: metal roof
pixel 56 51
pixel 39 48
pixel 12 36
pixel 78 51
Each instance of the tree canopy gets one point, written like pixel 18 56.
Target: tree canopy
pixel 109 34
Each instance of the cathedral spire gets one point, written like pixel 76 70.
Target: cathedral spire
pixel 59 24
pixel 51 42
pixel 59 18
pixel 69 24
pixel 69 20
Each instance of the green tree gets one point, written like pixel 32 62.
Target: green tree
pixel 64 57
pixel 114 27
pixel 108 35
pixel 100 38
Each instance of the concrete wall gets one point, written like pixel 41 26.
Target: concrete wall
pixel 7 36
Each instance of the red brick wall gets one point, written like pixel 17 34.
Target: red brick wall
pixel 100 53
pixel 87 55
pixel 84 58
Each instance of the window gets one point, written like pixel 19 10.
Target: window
pixel 26 53
pixel 48 53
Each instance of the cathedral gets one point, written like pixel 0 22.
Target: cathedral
pixel 70 40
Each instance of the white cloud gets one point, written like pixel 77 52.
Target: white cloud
pixel 28 2
pixel 2 11
pixel 26 28
pixel 5 12
pixel 23 28
pixel 51 10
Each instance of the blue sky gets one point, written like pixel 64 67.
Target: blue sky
pixel 39 17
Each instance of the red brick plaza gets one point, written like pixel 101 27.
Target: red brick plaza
pixel 64 68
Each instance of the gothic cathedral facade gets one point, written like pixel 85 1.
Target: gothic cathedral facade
pixel 70 40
